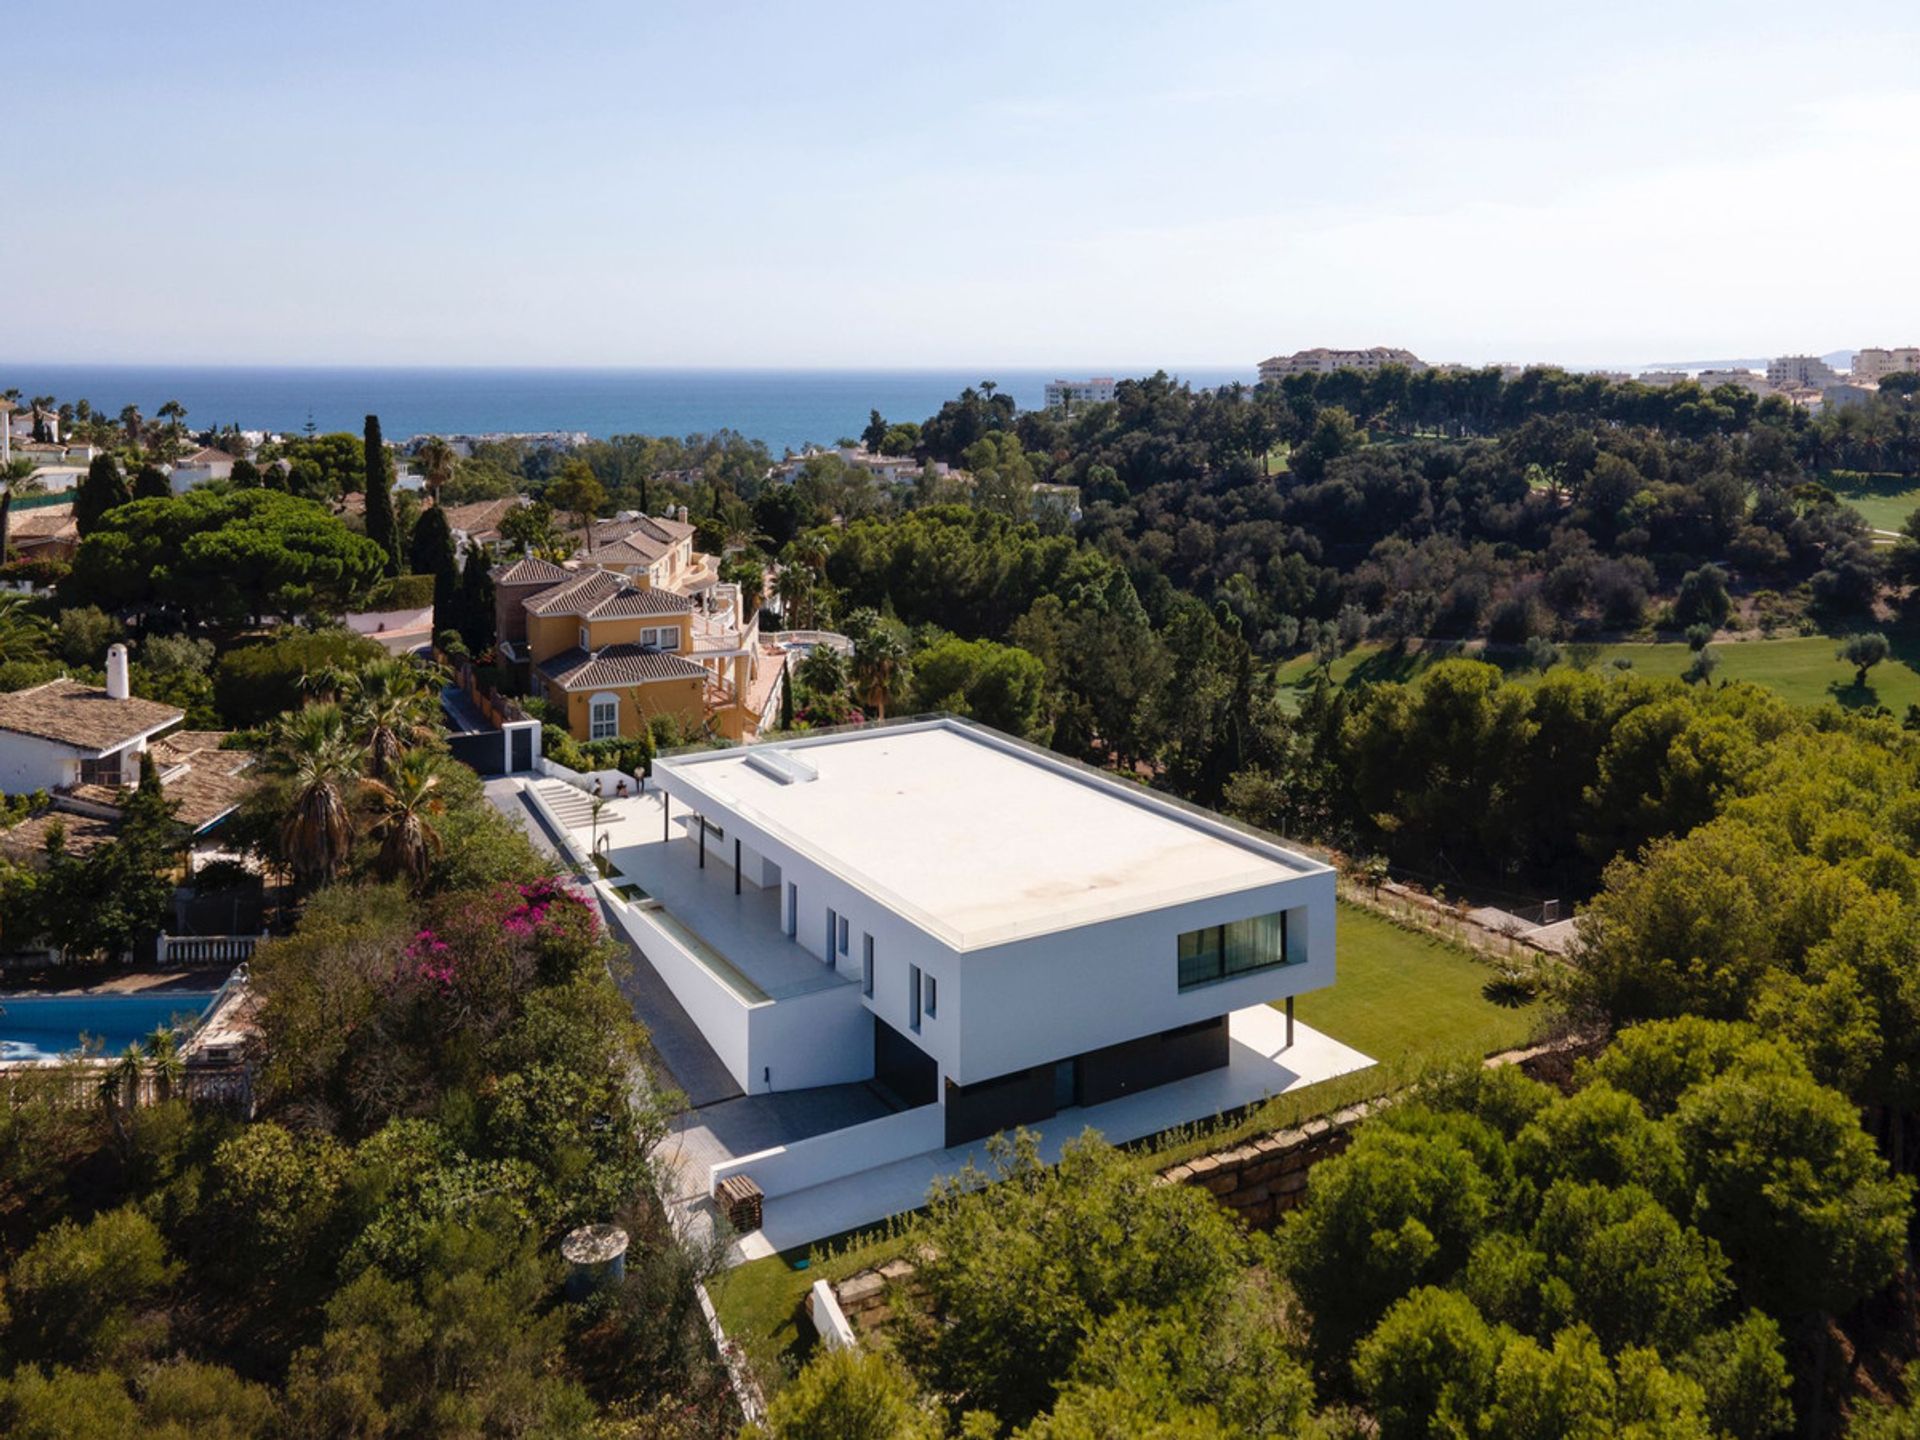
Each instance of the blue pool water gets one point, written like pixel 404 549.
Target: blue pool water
pixel 45 1027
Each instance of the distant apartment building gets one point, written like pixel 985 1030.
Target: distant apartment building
pixel 1874 364
pixel 1064 393
pixel 1751 380
pixel 1795 371
pixel 1322 361
pixel 1663 377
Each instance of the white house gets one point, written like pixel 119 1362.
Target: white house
pixel 968 921
pixel 62 735
pixel 200 467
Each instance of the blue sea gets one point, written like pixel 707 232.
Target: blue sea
pixel 784 408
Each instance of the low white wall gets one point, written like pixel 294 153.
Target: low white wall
pixel 379 622
pixel 583 779
pixel 830 1322
pixel 723 1018
pixel 824 1037
pixel 570 847
pixel 839 1153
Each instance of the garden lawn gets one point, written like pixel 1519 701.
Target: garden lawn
pixel 761 1304
pixel 1401 995
pixel 1803 669
pixel 1885 500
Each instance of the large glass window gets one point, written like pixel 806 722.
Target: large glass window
pixel 605 723
pixel 1240 947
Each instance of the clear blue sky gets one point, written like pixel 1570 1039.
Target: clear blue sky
pixel 907 183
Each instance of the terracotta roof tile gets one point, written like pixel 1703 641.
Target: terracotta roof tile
pixel 616 666
pixel 531 570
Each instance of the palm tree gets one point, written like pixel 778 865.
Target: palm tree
pixel 794 586
pixel 120 1091
pixel 879 663
pixel 391 712
pixel 324 683
pixel 437 464
pixel 311 747
pixel 133 423
pixel 164 1062
pixel 23 635
pixel 175 414
pixel 409 842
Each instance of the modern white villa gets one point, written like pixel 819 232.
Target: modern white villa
pixel 984 933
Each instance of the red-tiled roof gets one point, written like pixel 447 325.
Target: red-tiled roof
pixel 617 666
pixel 531 570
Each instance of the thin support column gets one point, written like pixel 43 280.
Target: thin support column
pixel 736 867
pixel 666 817
pixel 1289 1022
pixel 701 821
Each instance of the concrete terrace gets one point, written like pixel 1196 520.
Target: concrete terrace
pixel 1260 1065
pixel 742 930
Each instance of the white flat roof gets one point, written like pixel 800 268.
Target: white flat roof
pixel 977 838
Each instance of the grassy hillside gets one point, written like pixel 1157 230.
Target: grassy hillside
pixel 1803 669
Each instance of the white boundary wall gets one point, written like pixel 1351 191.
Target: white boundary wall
pixel 723 1018
pixel 839 1153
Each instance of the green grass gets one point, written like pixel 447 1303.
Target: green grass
pixel 762 1304
pixel 1802 669
pixel 1886 500
pixel 1403 995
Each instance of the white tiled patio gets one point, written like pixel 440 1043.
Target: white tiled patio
pixel 1260 1065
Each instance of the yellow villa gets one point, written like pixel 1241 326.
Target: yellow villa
pixel 612 650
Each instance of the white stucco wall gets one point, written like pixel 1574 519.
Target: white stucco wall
pixel 28 763
pixel 1032 1000
pixel 1050 996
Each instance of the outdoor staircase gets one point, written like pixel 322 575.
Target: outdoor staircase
pixel 571 806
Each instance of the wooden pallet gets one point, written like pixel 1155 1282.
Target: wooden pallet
pixel 740 1201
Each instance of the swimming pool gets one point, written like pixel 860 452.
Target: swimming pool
pixel 45 1027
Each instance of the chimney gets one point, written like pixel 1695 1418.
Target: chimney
pixel 683 514
pixel 117 687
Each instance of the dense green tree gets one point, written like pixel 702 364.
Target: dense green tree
pixel 476 605
pixel 151 483
pixel 104 488
pixel 224 559
pixel 432 553
pixel 852 1395
pixel 378 488
pixel 998 685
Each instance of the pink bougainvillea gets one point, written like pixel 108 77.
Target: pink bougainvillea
pixel 432 959
pixel 537 899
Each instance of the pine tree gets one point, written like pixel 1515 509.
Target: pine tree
pixel 432 554
pixel 151 484
pixel 379 487
pixel 476 604
pixel 103 489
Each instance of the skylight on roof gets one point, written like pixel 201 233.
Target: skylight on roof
pixel 781 765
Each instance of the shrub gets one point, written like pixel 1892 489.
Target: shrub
pixel 254 683
pixel 401 592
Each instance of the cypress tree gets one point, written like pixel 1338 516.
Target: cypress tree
pixel 786 698
pixel 151 484
pixel 432 554
pixel 476 604
pixel 103 489
pixel 380 527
